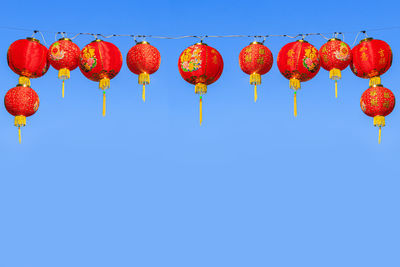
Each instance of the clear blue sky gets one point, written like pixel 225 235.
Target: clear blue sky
pixel 147 187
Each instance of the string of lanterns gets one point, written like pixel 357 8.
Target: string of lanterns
pixel 200 65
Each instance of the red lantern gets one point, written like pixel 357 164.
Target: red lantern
pixel 256 60
pixel 28 58
pixel 370 59
pixel 299 62
pixel 143 59
pixel 335 56
pixel 21 102
pixel 377 102
pixel 200 65
pixel 64 57
pixel 100 61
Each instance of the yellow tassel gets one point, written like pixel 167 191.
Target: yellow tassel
pixel 335 88
pixel 19 121
pixel 380 135
pixel 104 103
pixel 104 83
pixel 64 74
pixel 200 88
pixel 374 81
pixel 294 84
pixel 19 135
pixel 24 81
pixel 201 109
pixel 62 89
pixel 144 93
pixel 295 103
pixel 255 93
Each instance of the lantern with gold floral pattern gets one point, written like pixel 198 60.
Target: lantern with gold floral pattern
pixel 299 62
pixel 256 60
pixel 377 102
pixel 335 56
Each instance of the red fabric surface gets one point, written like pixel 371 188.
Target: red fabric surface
pixel 28 58
pixel 335 54
pixel 377 101
pixel 256 58
pixel 298 60
pixel 143 57
pixel 100 59
pixel 200 63
pixel 21 100
pixel 371 58
pixel 64 54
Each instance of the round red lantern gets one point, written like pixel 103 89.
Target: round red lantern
pixel 377 102
pixel 299 62
pixel 335 56
pixel 100 61
pixel 256 60
pixel 64 57
pixel 200 65
pixel 370 59
pixel 21 102
pixel 28 58
pixel 143 59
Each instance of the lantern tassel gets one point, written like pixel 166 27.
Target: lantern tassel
pixel 295 103
pixel 201 109
pixel 24 81
pixel 144 78
pixel 144 93
pixel 255 93
pixel 335 88
pixel 255 79
pixel 104 103
pixel 380 122
pixel 19 135
pixel 62 89
pixel 374 81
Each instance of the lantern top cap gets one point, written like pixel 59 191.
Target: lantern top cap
pixel 22 85
pixel 255 42
pixel 97 40
pixel 143 42
pixel 64 39
pixel 302 41
pixel 200 43
pixel 33 39
pixel 366 39
pixel 377 85
pixel 334 39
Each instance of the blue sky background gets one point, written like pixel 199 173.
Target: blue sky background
pixel 146 186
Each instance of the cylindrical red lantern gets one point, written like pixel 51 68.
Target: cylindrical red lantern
pixel 200 65
pixel 100 61
pixel 143 59
pixel 64 57
pixel 256 60
pixel 370 59
pixel 335 56
pixel 28 58
pixel 377 102
pixel 299 62
pixel 21 102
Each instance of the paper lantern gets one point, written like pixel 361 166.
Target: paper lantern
pixel 200 65
pixel 143 59
pixel 377 102
pixel 335 56
pixel 100 61
pixel 299 62
pixel 64 57
pixel 21 102
pixel 28 58
pixel 256 60
pixel 370 59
